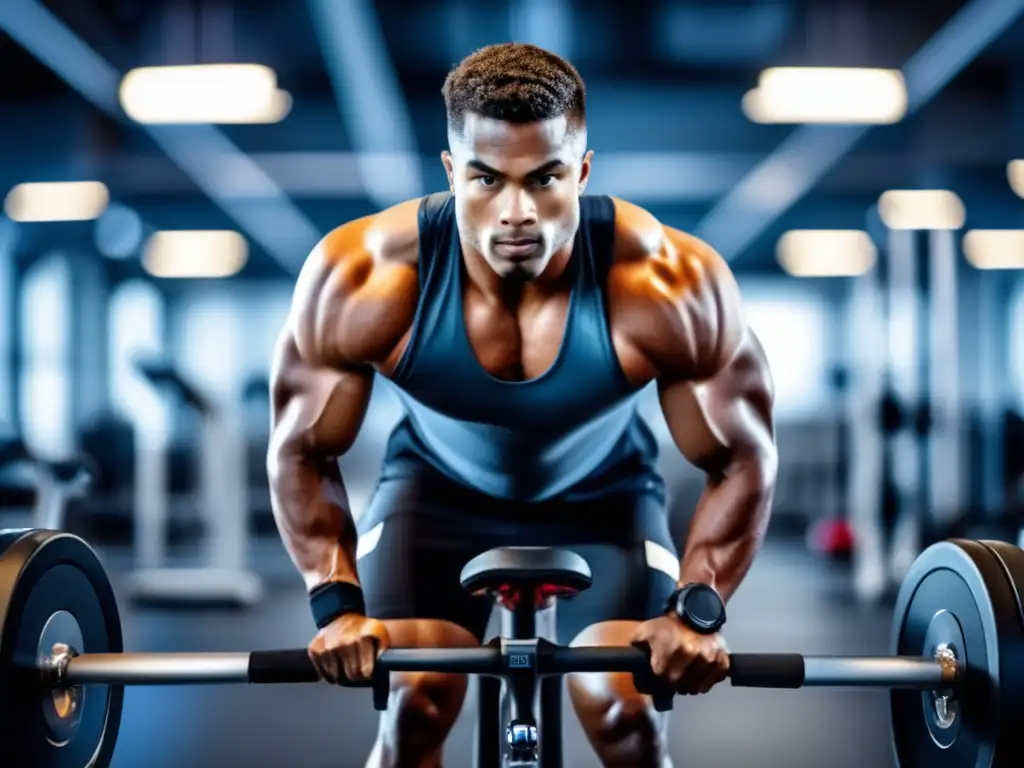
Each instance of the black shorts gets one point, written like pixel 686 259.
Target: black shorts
pixel 422 527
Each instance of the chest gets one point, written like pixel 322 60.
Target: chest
pixel 524 343
pixel 516 344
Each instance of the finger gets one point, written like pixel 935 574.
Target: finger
pixel 644 646
pixel 351 662
pixel 719 674
pixel 719 669
pixel 661 659
pixel 692 672
pixel 335 668
pixel 320 657
pixel 314 659
pixel 683 660
pixel 328 667
pixel 704 679
pixel 367 656
pixel 381 640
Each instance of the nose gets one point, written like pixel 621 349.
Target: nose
pixel 519 210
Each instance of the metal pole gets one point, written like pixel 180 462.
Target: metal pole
pixel 200 668
pixel 944 444
pixel 866 315
pixel 904 342
pixel 892 672
pixel 156 669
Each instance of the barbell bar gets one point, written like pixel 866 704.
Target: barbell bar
pixel 755 670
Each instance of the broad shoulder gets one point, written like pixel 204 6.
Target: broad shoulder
pixel 385 239
pixel 643 244
pixel 356 293
pixel 672 295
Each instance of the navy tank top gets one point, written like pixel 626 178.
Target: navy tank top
pixel 573 432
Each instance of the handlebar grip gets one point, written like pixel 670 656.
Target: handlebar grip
pixel 766 670
pixel 294 666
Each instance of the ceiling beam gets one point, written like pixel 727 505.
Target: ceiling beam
pixel 370 99
pixel 811 151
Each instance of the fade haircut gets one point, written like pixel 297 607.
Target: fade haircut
pixel 515 83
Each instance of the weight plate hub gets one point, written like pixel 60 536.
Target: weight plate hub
pixel 958 598
pixel 53 590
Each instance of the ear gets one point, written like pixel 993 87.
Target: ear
pixel 588 160
pixel 449 169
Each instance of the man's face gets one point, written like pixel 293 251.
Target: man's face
pixel 517 189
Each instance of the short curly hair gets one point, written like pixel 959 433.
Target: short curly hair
pixel 516 83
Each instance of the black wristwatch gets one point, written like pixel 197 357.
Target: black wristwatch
pixel 699 607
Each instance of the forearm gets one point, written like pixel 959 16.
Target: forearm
pixel 313 516
pixel 729 524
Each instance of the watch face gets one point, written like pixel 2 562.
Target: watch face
pixel 704 606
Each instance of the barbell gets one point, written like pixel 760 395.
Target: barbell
pixel 957 673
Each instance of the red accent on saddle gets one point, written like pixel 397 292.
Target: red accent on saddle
pixel 509 596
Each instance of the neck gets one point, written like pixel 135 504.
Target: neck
pixel 554 278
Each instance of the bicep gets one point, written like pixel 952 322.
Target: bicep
pixel 728 417
pixel 315 409
pixel 347 312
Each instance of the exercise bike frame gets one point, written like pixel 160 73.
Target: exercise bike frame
pixel 524 623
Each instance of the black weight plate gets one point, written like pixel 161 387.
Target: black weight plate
pixel 54 589
pixel 955 593
pixel 1011 656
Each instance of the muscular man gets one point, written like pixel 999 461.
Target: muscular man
pixel 518 320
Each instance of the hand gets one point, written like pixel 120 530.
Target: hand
pixel 693 663
pixel 347 648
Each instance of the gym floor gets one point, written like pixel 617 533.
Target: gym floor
pixel 789 602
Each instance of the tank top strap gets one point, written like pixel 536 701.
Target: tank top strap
pixel 597 224
pixel 592 332
pixel 436 221
pixel 435 217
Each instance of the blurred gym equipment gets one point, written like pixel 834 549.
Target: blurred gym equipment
pixel 831 536
pixel 54 483
pixel 255 399
pixel 222 501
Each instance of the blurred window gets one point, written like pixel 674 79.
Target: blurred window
pixel 136 327
pixel 45 357
pixel 791 324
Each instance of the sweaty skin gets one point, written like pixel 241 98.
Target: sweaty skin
pixel 674 313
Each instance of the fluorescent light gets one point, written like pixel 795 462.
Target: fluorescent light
pixel 1015 173
pixel 825 252
pixel 827 95
pixel 57 201
pixel 194 253
pixel 995 248
pixel 207 93
pixel 921 209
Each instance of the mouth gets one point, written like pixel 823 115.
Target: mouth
pixel 521 247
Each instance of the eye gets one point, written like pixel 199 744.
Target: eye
pixel 545 181
pixel 486 181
